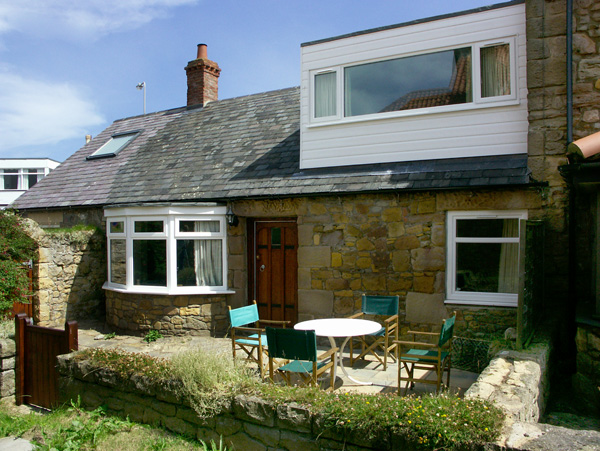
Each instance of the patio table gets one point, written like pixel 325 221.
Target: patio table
pixel 347 328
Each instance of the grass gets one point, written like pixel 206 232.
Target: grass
pixel 210 381
pixel 72 428
pixel 152 335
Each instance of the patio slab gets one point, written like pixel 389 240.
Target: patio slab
pixel 94 335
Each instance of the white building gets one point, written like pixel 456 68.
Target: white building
pixel 17 175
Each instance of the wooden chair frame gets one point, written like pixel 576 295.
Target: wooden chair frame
pixel 432 355
pixel 299 346
pixel 250 338
pixel 385 339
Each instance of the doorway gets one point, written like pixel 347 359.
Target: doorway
pixel 273 268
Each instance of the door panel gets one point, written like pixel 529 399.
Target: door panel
pixel 275 271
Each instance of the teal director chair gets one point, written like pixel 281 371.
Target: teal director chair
pixel 248 336
pixel 384 308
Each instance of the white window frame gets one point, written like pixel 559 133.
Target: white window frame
pixel 476 103
pixel 171 216
pixel 454 296
pixel 22 177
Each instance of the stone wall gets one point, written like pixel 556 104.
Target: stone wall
pixel 517 382
pixel 250 423
pixel 69 273
pixel 586 382
pixel 547 139
pixel 172 315
pixel 7 368
pixel 385 244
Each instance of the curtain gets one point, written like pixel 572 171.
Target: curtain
pixel 325 94
pixel 208 256
pixel 508 275
pixel 495 70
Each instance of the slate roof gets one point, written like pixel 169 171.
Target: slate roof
pixel 245 147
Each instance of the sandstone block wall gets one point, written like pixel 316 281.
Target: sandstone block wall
pixel 172 315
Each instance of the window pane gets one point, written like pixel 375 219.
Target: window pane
pixel 117 227
pixel 117 261
pixel 276 237
pixel 325 95
pixel 149 226
pixel 32 179
pixel 495 70
pixel 11 181
pixel 150 262
pixel 114 145
pixel 199 263
pixel 487 268
pixel 487 228
pixel 199 226
pixel 435 79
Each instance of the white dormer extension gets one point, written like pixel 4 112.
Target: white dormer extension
pixel 451 87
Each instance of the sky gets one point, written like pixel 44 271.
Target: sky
pixel 69 68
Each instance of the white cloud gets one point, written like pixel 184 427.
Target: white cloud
pixel 81 18
pixel 34 113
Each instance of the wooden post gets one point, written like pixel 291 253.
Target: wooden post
pixel 71 336
pixel 21 322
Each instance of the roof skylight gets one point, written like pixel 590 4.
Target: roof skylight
pixel 112 147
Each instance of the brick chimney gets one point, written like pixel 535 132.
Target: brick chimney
pixel 202 79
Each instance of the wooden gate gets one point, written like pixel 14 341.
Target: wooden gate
pixel 37 347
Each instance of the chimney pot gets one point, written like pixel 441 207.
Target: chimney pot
pixel 88 138
pixel 202 51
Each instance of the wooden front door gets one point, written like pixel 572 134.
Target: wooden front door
pixel 274 269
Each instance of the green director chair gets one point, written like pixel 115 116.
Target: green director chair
pixel 433 355
pixel 299 346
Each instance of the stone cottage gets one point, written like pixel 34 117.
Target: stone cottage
pixel 408 162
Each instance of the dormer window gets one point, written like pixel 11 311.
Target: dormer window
pixel 114 145
pixel 448 80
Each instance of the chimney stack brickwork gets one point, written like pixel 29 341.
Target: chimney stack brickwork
pixel 202 79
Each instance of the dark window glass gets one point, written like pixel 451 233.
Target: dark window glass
pixel 150 262
pixel 199 263
pixel 422 81
pixel 117 262
pixel 149 226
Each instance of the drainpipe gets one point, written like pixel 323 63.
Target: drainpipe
pixel 572 295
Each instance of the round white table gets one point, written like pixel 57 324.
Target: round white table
pixel 347 328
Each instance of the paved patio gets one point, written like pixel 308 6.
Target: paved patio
pixel 93 335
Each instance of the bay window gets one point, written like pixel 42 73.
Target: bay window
pixel 483 257
pixel 468 76
pixel 166 250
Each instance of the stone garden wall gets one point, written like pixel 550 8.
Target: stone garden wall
pixel 7 368
pixel 69 274
pixel 517 382
pixel 249 424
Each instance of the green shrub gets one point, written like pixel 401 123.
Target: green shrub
pixel 16 247
pixel 152 335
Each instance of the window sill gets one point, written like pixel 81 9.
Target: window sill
pixel 164 291
pixel 482 303
pixel 413 113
